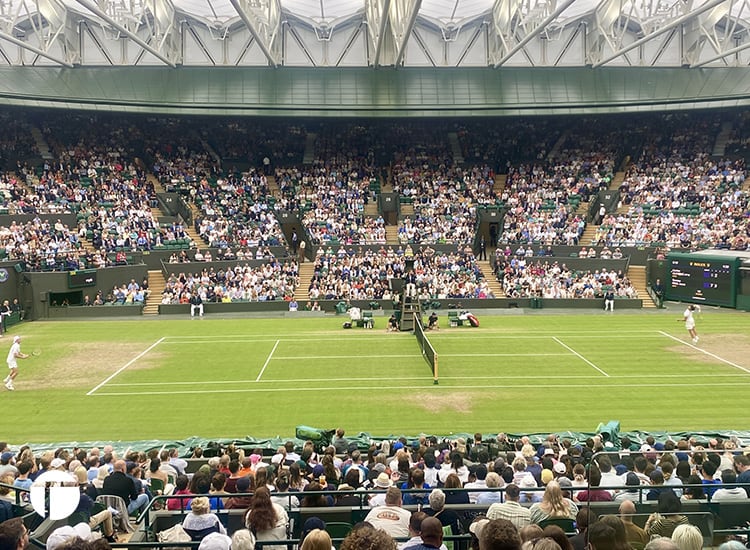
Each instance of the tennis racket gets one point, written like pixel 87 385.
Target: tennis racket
pixel 36 353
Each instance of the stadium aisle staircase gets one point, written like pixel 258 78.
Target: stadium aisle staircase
pixel 637 276
pixel 391 234
pixel 156 284
pixel 588 234
pixel 306 272
pixel 494 284
pixel 617 180
pixel 273 187
pixel 500 181
pixel 455 145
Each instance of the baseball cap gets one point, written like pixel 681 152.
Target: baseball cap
pixel 6 457
pixel 57 463
pixel 63 534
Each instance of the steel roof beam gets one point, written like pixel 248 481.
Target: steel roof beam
pixel 666 28
pixel 535 32
pixel 37 51
pixel 255 31
pixel 94 8
pixel 405 30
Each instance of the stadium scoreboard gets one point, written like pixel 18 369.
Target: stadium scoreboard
pixel 703 279
pixel 85 277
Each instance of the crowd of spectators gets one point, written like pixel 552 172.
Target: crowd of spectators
pixel 349 274
pixel 676 193
pixel 519 485
pixel 523 278
pixel 273 280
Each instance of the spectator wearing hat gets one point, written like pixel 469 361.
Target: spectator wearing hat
pixel 391 517
pixel 238 501
pixel 511 509
pixel 527 495
pixel 382 482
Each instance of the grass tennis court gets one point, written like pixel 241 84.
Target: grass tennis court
pixel 169 379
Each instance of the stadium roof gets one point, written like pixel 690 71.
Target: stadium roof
pixel 375 33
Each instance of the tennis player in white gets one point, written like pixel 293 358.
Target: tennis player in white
pixel 689 320
pixel 13 355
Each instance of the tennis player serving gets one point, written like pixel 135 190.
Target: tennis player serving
pixel 689 321
pixel 14 354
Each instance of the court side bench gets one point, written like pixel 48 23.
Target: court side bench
pixel 454 320
pixel 366 321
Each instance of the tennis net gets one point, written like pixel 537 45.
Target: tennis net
pixel 428 352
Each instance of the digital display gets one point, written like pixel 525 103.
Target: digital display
pixel 702 279
pixel 78 279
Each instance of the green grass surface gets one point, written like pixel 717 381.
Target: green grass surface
pixel 216 378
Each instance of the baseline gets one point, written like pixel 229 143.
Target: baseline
pixel 126 365
pixel 427 385
pixel 370 379
pixel 705 352
pixel 574 352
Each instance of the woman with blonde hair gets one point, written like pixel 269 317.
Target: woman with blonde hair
pixel 317 539
pixel 201 521
pixel 687 537
pixel 553 505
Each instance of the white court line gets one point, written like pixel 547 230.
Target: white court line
pixel 574 352
pixel 427 384
pixel 126 365
pixel 370 379
pixel 735 365
pixel 485 334
pixel 306 357
pixel 268 360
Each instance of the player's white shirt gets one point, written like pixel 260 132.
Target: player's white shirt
pixel 15 349
pixel 689 320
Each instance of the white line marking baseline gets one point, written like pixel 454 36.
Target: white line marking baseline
pixel 427 384
pixel 370 379
pixel 574 352
pixel 688 344
pixel 126 365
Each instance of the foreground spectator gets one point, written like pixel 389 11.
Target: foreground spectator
pixel 201 522
pixel 498 534
pixel 367 537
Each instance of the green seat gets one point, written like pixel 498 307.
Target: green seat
pixel 338 529
pixel 566 524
